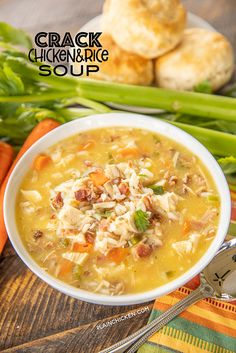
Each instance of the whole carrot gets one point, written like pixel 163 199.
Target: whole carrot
pixel 40 130
pixel 6 159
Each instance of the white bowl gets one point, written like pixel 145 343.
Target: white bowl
pixel 109 120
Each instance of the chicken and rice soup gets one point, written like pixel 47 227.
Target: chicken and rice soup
pixel 117 210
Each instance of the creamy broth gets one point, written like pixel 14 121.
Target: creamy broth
pixel 117 210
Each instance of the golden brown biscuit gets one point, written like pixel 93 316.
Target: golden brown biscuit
pixel 148 28
pixel 202 55
pixel 123 67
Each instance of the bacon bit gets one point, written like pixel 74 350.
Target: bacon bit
pixel 98 178
pixel 86 146
pixel 123 188
pixel 156 217
pixel 38 234
pixel 116 181
pixel 144 250
pixel 117 255
pixel 87 247
pixel 89 236
pixel 186 227
pixel 53 216
pixel 57 203
pixel 83 195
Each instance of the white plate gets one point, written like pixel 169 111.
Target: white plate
pixel 94 25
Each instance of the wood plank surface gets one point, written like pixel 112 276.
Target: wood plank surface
pixel 33 311
pixel 33 316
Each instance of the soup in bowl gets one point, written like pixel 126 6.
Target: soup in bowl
pixel 117 208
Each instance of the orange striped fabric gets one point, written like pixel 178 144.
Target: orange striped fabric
pixel 207 326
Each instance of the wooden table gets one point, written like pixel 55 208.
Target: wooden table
pixel 33 316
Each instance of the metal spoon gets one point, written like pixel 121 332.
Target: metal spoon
pixel 218 281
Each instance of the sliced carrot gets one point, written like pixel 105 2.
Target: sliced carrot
pixel 41 162
pixel 186 227
pixel 86 146
pixel 40 130
pixel 129 152
pixel 98 178
pixel 118 254
pixel 66 267
pixel 87 247
pixel 6 159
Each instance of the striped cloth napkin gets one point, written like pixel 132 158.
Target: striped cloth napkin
pixel 207 326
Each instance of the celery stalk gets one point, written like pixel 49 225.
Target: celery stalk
pixel 218 143
pixel 196 104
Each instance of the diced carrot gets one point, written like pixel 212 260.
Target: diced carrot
pixel 129 152
pixel 86 146
pixel 87 247
pixel 66 267
pixel 98 178
pixel 41 162
pixel 40 130
pixel 186 227
pixel 118 254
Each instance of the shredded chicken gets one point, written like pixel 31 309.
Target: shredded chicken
pixel 80 204
pixel 31 195
pixel 187 246
pixel 76 257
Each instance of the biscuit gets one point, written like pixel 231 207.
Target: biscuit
pixel 123 67
pixel 203 55
pixel 148 28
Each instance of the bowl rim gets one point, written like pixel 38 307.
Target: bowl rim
pixel 107 120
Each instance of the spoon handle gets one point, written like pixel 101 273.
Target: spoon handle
pixel 141 335
pixel 203 291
